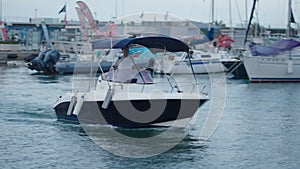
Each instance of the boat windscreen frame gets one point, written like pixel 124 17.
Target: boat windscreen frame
pixel 154 44
pixel 157 44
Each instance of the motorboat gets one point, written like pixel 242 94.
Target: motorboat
pixel 202 63
pixel 55 62
pixel 82 64
pixel 45 61
pixel 136 98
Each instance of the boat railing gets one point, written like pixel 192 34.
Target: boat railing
pixel 166 85
pixel 128 76
pixel 179 85
pixel 83 83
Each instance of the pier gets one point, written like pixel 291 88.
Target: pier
pixel 14 52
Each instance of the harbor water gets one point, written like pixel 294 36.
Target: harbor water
pixel 259 128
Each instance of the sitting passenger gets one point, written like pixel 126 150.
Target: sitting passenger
pixel 123 71
pixel 124 61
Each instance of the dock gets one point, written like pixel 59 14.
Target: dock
pixel 6 56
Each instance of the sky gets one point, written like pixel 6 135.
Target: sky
pixel 271 13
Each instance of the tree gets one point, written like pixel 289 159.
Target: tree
pixel 255 29
pixel 220 23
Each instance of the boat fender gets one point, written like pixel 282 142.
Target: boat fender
pixel 107 99
pixel 290 66
pixel 71 105
pixel 78 105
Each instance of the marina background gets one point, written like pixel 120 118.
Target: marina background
pixel 269 13
pixel 259 129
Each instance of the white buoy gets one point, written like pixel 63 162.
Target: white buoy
pixel 107 99
pixel 78 105
pixel 71 105
pixel 290 66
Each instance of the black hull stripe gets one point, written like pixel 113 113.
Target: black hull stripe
pixel 93 113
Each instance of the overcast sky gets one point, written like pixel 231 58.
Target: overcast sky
pixel 270 12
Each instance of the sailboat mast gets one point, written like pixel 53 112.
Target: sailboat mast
pixel 246 11
pixel 288 31
pixel 230 19
pixel 212 11
pixel 249 22
pixel 230 14
pixel 116 9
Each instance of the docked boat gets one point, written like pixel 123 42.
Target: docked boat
pixel 82 64
pixel 69 65
pixel 53 62
pixel 279 62
pixel 64 67
pixel 45 61
pixel 136 98
pixel 201 63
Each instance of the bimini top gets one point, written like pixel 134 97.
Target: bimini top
pixel 154 44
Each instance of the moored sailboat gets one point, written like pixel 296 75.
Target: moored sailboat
pixel 279 62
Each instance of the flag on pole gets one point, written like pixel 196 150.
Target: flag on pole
pixel 63 9
pixel 65 19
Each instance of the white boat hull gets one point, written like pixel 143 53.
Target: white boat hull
pixel 200 63
pixel 199 67
pixel 272 69
pixel 132 110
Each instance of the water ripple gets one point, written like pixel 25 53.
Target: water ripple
pixel 259 129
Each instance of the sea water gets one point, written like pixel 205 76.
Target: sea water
pixel 259 128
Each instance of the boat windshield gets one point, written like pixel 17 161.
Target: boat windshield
pixel 128 76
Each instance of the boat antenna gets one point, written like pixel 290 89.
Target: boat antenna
pixel 249 23
pixel 290 19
